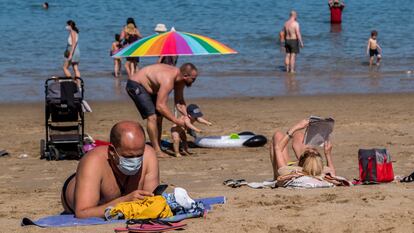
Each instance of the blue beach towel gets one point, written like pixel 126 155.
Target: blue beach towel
pixel 69 220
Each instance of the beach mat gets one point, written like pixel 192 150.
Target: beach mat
pixel 69 220
pixel 66 220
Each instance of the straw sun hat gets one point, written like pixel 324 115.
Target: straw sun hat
pixel 160 28
pixel 130 28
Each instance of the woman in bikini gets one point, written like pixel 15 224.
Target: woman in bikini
pixel 129 35
pixel 309 159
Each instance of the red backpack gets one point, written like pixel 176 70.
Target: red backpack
pixel 375 166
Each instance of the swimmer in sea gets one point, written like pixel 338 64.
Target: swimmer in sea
pixel 373 48
pixel 116 46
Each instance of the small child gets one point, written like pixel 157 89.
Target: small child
pixel 282 36
pixel 116 46
pixel 178 133
pixel 373 48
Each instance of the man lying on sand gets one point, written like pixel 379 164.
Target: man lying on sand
pixel 149 89
pixel 126 170
pixel 310 160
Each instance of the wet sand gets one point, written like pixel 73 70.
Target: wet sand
pixel 30 187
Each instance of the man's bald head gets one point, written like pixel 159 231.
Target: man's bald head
pixel 127 132
pixel 293 14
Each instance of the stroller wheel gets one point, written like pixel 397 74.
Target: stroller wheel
pixel 54 153
pixel 42 149
pixel 47 156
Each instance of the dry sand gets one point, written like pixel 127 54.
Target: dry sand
pixel 30 187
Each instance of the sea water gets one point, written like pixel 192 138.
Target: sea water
pixel 333 60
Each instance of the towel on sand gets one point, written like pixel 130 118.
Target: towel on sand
pixel 69 220
pixel 300 180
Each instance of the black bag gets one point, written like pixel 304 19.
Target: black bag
pixel 66 53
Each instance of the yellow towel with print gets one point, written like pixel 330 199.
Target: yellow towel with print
pixel 148 208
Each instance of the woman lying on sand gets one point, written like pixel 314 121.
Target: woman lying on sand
pixel 309 159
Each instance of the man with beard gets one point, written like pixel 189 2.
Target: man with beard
pixel 149 89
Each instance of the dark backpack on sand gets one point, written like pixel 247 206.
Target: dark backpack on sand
pixel 375 166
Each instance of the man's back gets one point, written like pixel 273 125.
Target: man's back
pixel 290 29
pixel 153 76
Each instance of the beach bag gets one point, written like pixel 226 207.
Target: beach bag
pixel 148 208
pixel 375 166
pixel 67 52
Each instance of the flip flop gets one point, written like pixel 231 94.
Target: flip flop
pixel 229 182
pixel 235 183
pixel 408 179
pixel 145 225
pixel 3 153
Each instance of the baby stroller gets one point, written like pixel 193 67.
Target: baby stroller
pixel 64 120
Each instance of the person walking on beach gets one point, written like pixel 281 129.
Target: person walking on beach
pixel 149 89
pixel 293 39
pixel 129 35
pixel 126 170
pixel 116 46
pixel 373 48
pixel 72 53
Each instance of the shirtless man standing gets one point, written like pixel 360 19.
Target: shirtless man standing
pixel 149 89
pixel 292 42
pixel 126 170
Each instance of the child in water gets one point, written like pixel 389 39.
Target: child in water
pixel 178 133
pixel 373 48
pixel 116 46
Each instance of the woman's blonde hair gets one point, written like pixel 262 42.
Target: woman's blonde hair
pixel 311 163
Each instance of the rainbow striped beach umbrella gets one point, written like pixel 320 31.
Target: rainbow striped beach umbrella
pixel 174 43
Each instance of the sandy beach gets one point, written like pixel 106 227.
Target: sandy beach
pixel 30 187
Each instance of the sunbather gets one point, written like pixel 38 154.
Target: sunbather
pixel 126 170
pixel 309 159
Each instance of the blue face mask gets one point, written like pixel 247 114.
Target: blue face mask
pixel 130 166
